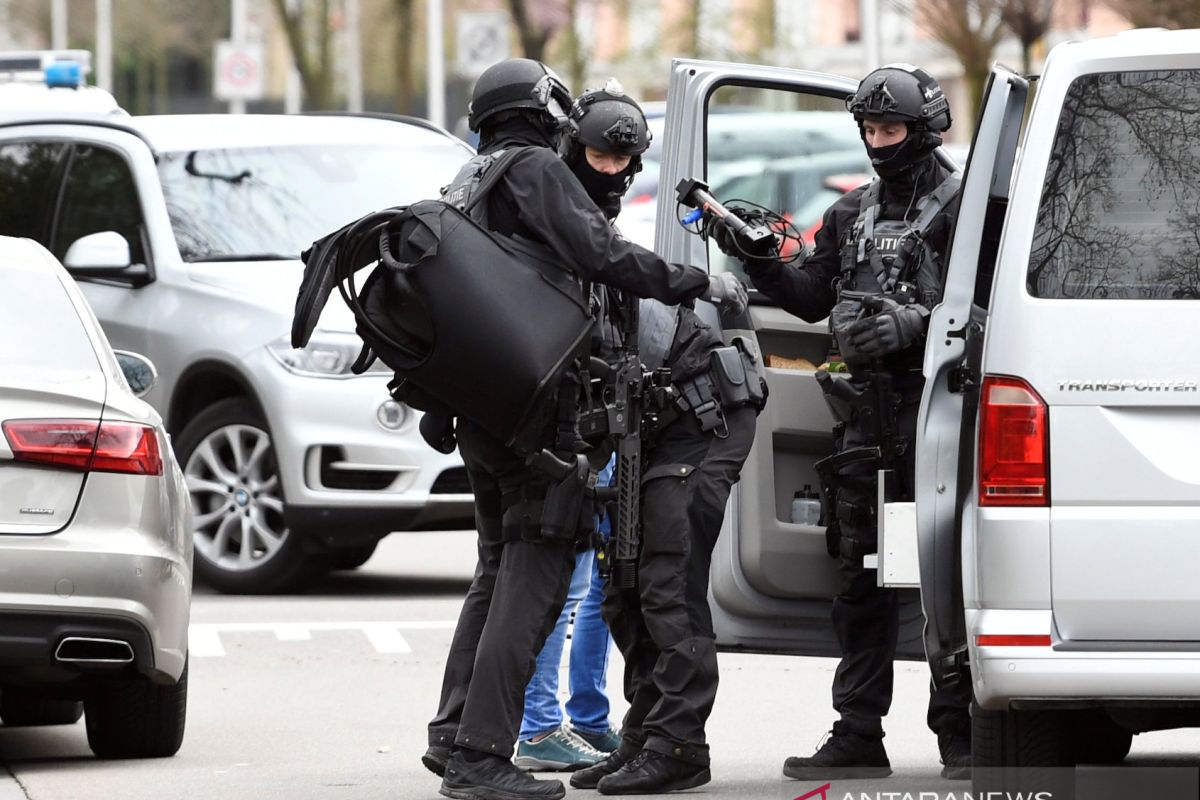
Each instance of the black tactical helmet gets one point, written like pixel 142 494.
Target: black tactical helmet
pixel 608 120
pixel 518 83
pixel 901 93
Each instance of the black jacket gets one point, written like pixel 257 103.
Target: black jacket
pixel 540 199
pixel 808 291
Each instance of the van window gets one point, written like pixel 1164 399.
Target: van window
pixel 27 175
pixel 1120 209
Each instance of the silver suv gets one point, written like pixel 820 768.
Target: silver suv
pixel 184 233
pixel 1058 506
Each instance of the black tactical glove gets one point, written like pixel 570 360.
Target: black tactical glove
pixel 891 330
pixel 725 288
pixel 438 432
pixel 735 247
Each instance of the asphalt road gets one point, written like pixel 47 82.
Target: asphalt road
pixel 326 695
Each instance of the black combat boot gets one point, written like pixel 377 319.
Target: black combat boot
pixel 588 777
pixel 956 757
pixel 653 773
pixel 844 755
pixel 435 759
pixel 494 778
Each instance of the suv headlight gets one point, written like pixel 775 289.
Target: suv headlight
pixel 328 355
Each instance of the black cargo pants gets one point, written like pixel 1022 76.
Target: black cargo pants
pixel 663 627
pixel 866 617
pixel 515 598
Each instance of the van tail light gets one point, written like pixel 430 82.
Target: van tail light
pixel 85 445
pixel 1014 444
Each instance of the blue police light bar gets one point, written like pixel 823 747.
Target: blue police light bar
pixel 64 74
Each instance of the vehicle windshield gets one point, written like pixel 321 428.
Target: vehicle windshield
pixel 264 203
pixel 40 331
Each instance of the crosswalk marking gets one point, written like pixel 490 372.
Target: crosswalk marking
pixel 204 639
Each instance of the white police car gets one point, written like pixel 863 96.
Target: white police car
pixel 41 81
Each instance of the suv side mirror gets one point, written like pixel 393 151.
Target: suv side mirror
pixel 99 252
pixel 139 371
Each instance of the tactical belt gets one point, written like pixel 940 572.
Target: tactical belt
pixel 697 395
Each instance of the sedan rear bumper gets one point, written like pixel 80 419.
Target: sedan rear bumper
pixel 117 581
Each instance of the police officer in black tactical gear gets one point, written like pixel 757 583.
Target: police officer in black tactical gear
pixel 523 573
pixel 663 625
pixel 876 270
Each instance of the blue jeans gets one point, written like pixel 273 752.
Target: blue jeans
pixel 590 642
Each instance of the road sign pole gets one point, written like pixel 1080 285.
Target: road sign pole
pixel 354 78
pixel 436 84
pixel 293 90
pixel 237 33
pixel 104 51
pixel 58 24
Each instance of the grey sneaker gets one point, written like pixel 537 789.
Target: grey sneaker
pixel 604 742
pixel 561 751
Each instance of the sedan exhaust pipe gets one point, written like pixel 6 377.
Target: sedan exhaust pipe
pixel 88 650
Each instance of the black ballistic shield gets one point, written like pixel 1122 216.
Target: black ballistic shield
pixel 484 323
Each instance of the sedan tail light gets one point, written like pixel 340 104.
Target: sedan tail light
pixel 85 445
pixel 1014 444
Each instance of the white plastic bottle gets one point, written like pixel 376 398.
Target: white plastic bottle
pixel 806 506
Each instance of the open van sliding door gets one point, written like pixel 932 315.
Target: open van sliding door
pixel 947 420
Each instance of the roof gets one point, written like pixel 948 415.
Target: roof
pixel 176 132
pixel 38 99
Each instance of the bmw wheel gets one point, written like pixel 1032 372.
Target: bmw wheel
pixel 242 544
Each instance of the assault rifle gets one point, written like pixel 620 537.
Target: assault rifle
pixel 625 423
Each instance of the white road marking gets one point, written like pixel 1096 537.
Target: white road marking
pixel 204 639
pixel 386 639
pixel 204 642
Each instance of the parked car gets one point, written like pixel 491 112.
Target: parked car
pixel 95 526
pixel 49 81
pixel 1058 498
pixel 211 214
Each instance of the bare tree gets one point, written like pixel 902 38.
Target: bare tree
pixel 691 27
pixel 1159 13
pixel 1028 20
pixel 405 47
pixel 971 29
pixel 537 22
pixel 575 52
pixel 311 40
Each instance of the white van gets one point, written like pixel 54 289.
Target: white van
pixel 1058 506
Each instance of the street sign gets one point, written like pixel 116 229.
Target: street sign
pixel 238 72
pixel 483 39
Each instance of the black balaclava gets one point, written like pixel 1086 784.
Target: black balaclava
pixel 605 190
pixel 903 159
pixel 518 128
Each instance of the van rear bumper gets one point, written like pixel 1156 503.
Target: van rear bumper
pixel 1073 670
